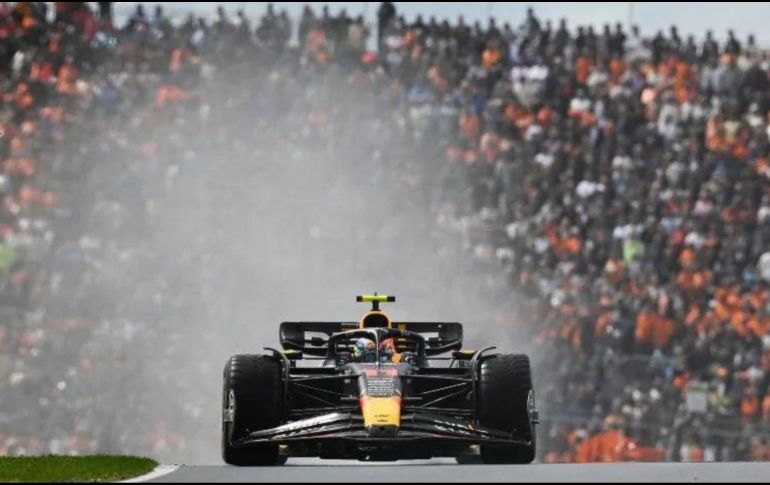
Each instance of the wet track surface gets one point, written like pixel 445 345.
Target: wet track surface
pixel 446 471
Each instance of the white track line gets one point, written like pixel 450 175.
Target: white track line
pixel 159 471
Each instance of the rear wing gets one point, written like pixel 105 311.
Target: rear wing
pixel 312 338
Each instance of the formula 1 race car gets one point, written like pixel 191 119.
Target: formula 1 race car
pixel 377 390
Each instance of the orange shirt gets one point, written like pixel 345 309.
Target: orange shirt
pixel 682 74
pixel 687 257
pixel 22 97
pixel 608 446
pixel 170 93
pixel 759 326
pixel 732 298
pixel 572 245
pixel 645 322
pixel 583 67
pixel 662 330
pixel 20 166
pixel 749 408
pixel 693 314
pixel 28 196
pixel 604 321
pixel 544 116
pixel 738 320
pixel 758 299
pixel 701 279
pixel 178 59
pixel 740 152
pixel 680 381
pixel 766 408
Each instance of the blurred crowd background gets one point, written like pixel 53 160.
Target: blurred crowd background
pixel 610 187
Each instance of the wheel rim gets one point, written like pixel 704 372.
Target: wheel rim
pixel 531 410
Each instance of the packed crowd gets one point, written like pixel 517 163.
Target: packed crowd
pixel 622 184
pixel 617 183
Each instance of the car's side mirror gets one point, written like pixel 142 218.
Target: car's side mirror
pixel 317 342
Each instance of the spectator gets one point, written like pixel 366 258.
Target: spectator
pixel 385 16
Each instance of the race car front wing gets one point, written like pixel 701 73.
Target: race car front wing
pixel 413 427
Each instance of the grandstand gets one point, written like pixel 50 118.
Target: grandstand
pixel 609 186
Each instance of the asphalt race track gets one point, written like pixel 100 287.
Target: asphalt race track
pixel 406 472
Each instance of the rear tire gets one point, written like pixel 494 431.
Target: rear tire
pixel 506 402
pixel 252 399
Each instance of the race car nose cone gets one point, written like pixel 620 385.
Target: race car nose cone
pixel 382 431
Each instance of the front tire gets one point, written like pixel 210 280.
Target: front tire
pixel 252 399
pixel 506 402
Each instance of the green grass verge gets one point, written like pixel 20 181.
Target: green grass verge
pixel 61 469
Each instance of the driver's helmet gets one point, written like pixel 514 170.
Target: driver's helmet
pixel 365 350
pixel 387 350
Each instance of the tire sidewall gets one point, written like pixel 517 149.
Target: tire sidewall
pixel 506 402
pixel 252 399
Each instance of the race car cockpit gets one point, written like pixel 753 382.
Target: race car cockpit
pixel 365 351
